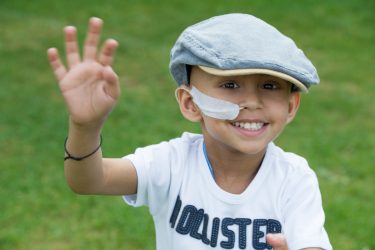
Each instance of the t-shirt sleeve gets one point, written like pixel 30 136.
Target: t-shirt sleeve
pixel 303 211
pixel 155 166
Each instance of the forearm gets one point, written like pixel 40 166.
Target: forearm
pixel 84 176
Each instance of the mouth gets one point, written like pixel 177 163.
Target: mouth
pixel 251 126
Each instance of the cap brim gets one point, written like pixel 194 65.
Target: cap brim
pixel 237 72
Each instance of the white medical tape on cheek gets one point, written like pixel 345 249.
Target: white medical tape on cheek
pixel 214 107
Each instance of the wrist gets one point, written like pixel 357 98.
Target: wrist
pixel 69 156
pixel 83 137
pixel 87 129
pixel 82 140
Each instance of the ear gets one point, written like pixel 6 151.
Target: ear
pixel 294 102
pixel 187 107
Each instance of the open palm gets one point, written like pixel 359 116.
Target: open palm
pixel 89 86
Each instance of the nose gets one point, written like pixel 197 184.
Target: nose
pixel 251 100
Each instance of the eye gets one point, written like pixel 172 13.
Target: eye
pixel 230 85
pixel 270 85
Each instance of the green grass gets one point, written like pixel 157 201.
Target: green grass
pixel 334 129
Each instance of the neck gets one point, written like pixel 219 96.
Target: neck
pixel 233 171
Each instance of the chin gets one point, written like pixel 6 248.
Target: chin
pixel 255 149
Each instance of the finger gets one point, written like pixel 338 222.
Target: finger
pixel 92 38
pixel 277 241
pixel 71 47
pixel 108 52
pixel 55 62
pixel 113 82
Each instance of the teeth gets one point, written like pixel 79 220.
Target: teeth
pixel 249 125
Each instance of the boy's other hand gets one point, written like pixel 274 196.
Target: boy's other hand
pixel 89 85
pixel 277 241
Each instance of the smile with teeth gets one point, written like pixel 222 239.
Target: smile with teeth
pixel 253 126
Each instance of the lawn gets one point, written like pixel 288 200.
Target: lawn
pixel 334 129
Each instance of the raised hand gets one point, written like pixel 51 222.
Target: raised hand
pixel 89 85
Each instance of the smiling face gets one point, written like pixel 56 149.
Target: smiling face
pixel 267 106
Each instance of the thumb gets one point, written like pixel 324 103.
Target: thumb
pixel 113 82
pixel 277 241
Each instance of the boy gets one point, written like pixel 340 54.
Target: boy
pixel 241 80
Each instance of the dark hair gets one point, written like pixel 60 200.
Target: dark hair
pixel 294 88
pixel 188 72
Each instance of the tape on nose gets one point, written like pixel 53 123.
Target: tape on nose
pixel 215 107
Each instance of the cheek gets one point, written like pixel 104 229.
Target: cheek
pixel 213 128
pixel 279 110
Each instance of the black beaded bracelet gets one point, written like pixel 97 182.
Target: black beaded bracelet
pixel 69 156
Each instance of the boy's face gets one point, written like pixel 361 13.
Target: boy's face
pixel 268 106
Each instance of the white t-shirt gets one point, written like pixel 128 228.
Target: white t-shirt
pixel 191 211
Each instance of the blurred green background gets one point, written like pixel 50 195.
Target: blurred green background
pixel 334 129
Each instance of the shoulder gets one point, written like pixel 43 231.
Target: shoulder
pixel 188 139
pixel 291 164
pixel 182 143
pixel 292 175
pixel 177 147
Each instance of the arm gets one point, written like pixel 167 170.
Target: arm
pixel 90 89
